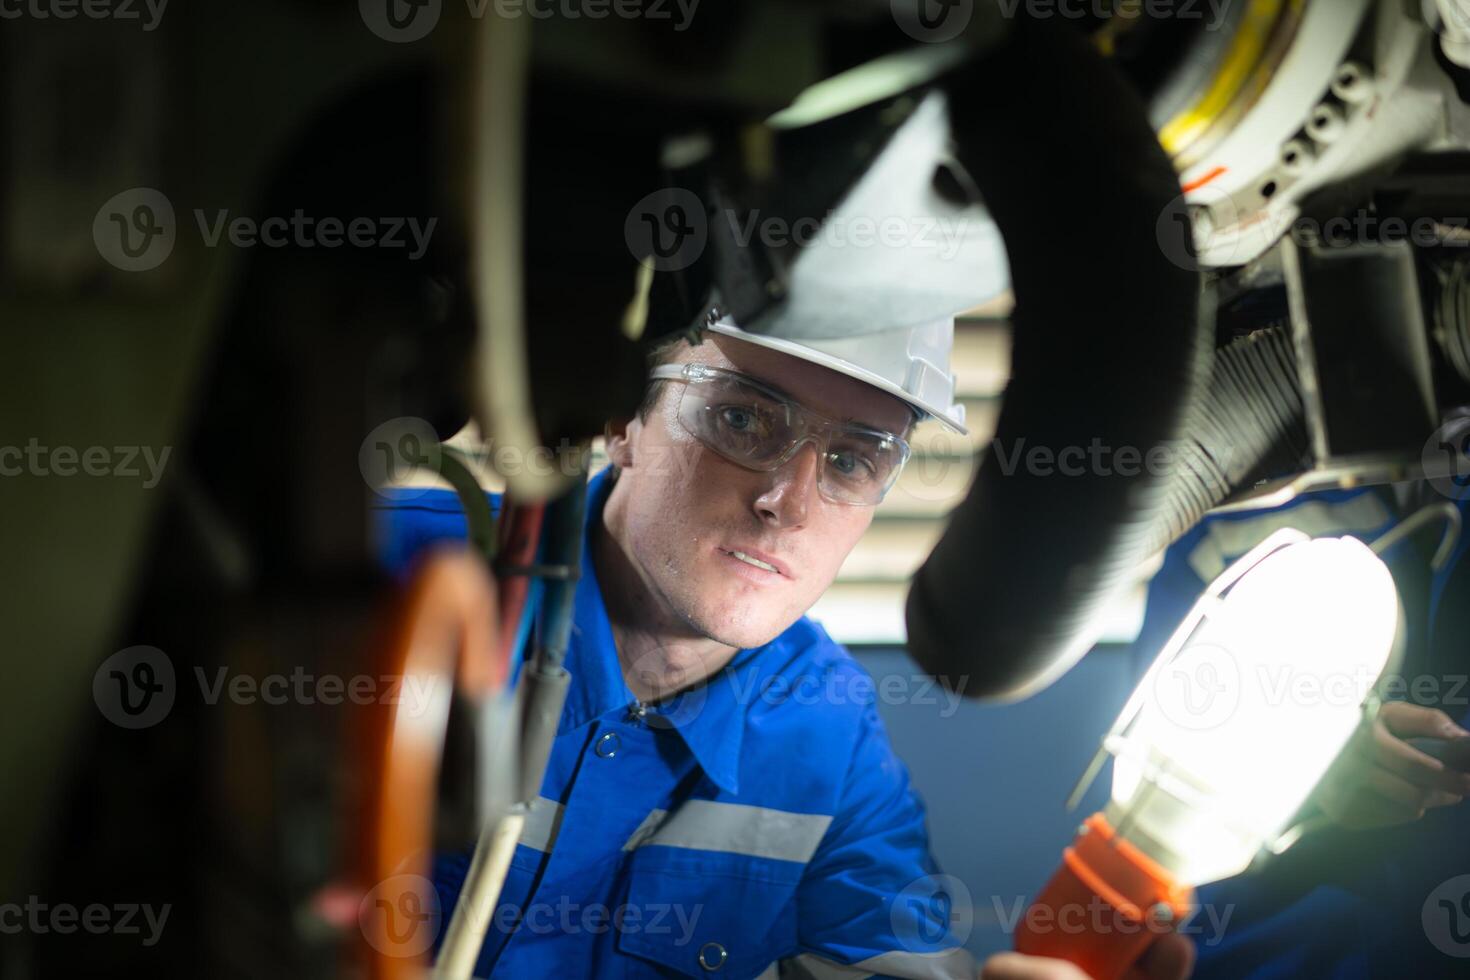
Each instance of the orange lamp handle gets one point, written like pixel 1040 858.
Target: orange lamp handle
pixel 1102 909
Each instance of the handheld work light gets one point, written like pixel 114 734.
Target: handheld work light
pixel 1236 722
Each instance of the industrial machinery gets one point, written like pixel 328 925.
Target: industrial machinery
pixel 1240 235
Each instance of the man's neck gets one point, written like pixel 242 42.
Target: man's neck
pixel 661 655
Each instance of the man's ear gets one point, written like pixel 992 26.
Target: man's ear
pixel 619 437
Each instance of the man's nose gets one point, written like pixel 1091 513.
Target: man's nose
pixel 791 487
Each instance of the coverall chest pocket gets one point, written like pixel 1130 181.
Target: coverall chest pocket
pixel 725 920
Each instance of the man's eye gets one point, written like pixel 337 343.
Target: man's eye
pixel 740 419
pixel 854 465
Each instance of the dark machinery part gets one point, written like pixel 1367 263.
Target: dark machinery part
pixel 1366 369
pixel 983 608
pixel 1451 312
pixel 1248 426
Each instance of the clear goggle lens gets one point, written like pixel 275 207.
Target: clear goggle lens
pixel 751 427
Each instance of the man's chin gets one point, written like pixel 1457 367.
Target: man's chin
pixel 742 635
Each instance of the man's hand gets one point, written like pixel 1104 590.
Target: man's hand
pixel 1170 957
pixel 1381 780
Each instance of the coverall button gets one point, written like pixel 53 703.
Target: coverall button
pixel 712 957
pixel 608 745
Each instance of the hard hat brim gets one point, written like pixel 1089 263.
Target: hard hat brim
pixel 842 366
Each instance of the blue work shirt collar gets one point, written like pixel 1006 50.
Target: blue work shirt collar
pixel 710 718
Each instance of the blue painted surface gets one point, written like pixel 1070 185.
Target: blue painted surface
pixel 996 777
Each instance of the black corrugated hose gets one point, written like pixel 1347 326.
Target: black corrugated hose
pixel 1112 344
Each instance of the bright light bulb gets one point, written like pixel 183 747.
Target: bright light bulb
pixel 1250 702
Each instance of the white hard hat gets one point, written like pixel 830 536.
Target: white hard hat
pixel 911 364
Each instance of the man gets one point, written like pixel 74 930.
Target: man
pixel 722 796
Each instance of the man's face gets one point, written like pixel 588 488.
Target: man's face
pixel 683 509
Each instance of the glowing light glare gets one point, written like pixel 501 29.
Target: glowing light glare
pixel 874 81
pixel 1237 728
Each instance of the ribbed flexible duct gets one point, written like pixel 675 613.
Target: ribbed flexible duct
pixel 1247 425
pixel 1110 346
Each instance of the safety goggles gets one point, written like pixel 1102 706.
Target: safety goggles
pixel 759 428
